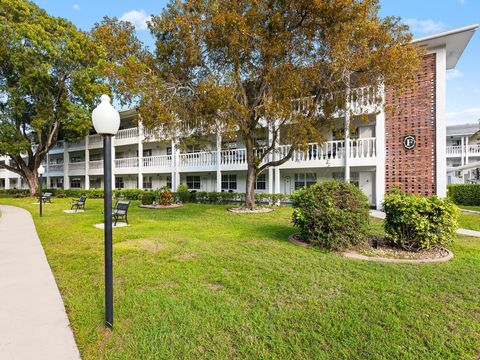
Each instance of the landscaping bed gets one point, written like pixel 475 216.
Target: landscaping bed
pixel 160 206
pixel 244 210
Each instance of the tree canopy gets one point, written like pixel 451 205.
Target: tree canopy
pixel 49 78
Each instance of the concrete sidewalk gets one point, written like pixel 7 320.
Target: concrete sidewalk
pixel 381 215
pixel 33 322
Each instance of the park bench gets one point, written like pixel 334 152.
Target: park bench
pixel 120 211
pixel 47 197
pixel 79 204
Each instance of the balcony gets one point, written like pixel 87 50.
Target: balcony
pixel 458 150
pixel 55 168
pixel 127 136
pixel 76 168
pixel 95 167
pixel 126 165
pixel 95 141
pixel 156 164
pixel 200 160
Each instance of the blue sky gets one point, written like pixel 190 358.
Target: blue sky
pixel 424 16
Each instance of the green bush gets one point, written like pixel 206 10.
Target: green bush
pixel 331 214
pixel 415 222
pixel 464 194
pixel 165 197
pixel 17 193
pixel 148 197
pixel 183 193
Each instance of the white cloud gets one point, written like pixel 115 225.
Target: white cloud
pixel 454 74
pixel 463 116
pixel 76 7
pixel 138 18
pixel 427 26
pixel 462 1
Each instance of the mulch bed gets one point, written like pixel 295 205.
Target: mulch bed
pixel 386 253
pixel 160 206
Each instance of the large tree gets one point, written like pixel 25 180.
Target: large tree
pixel 49 77
pixel 287 66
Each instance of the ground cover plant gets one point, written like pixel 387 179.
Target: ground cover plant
pixel 199 282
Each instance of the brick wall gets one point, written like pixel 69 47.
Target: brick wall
pixel 412 113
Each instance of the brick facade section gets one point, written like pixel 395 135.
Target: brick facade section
pixel 412 113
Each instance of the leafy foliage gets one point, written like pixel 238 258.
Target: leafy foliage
pixel 464 194
pixel 148 197
pixel 415 222
pixel 235 66
pixel 165 197
pixel 331 214
pixel 49 77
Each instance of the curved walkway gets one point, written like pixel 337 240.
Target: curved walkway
pixel 33 322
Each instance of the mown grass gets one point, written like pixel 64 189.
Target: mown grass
pixel 199 282
pixel 469 221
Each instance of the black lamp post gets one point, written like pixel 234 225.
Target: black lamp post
pixel 106 121
pixel 41 171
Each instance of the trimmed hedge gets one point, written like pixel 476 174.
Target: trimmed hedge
pixel 464 194
pixel 415 222
pixel 331 214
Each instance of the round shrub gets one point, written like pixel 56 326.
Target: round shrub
pixel 148 197
pixel 183 193
pixel 331 214
pixel 415 222
pixel 165 197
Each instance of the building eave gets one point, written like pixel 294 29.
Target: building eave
pixel 455 41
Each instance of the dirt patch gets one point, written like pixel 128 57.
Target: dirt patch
pixel 187 256
pixel 242 210
pixel 214 287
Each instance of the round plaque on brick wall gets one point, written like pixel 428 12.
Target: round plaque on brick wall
pixel 409 142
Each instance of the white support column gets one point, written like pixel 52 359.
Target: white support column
pixel 113 162
pixel 380 151
pixel 175 166
pixel 141 138
pixel 7 182
pixel 66 161
pixel 219 158
pixel 466 151
pixel 441 129
pixel 87 164
pixel 270 158
pixel 463 150
pixel 276 170
pixel 47 166
pixel 347 140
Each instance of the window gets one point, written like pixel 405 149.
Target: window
pixel 147 182
pixel 261 183
pixel 229 182
pixel 120 155
pixel 119 182
pixel 95 157
pixel 147 152
pixel 75 159
pixel 193 182
pixel 169 182
pixel 304 179
pixel 56 183
pixel 169 150
pixel 193 149
pixel 354 177
pixel 75 183
pixel 229 145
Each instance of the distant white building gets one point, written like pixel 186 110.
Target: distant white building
pixel 463 154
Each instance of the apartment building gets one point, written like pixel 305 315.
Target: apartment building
pixel 405 148
pixel 463 154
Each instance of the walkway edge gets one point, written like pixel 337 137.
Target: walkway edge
pixel 34 323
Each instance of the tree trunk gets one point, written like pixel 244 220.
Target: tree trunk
pixel 32 181
pixel 250 191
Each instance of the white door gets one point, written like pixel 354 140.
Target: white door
pixel 366 185
pixel 288 186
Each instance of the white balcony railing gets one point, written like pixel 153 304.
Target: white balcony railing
pixel 76 166
pixel 363 148
pixel 157 161
pixel 233 157
pixel 93 139
pixel 55 167
pixel 474 150
pixel 78 143
pixel 454 150
pixel 203 158
pixel 59 145
pixel 127 162
pixel 127 133
pixel 96 164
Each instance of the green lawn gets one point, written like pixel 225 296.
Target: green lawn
pixel 470 220
pixel 198 282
